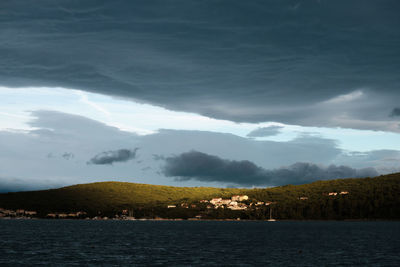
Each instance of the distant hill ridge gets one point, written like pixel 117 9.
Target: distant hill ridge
pixel 377 197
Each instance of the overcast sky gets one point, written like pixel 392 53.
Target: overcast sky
pixel 192 93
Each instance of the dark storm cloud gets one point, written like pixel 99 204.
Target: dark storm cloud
pixel 395 112
pixel 265 131
pixel 109 157
pixel 208 168
pixel 238 60
pixel 205 167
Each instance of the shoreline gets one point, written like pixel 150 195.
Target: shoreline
pixel 200 220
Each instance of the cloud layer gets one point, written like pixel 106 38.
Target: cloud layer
pixel 326 63
pixel 109 157
pixel 265 131
pixel 57 136
pixel 208 168
pixel 395 112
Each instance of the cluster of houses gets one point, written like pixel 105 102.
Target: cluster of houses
pixel 336 193
pixel 28 214
pixel 78 214
pixel 19 213
pixel 328 194
pixel 234 203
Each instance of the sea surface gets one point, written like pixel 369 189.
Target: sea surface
pixel 198 243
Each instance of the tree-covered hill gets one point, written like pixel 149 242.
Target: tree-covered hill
pixel 367 198
pixel 104 196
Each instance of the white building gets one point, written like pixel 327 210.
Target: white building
pixel 225 201
pixel 235 198
pixel 233 203
pixel 215 200
pixel 239 197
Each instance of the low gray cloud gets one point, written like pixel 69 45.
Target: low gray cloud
pixel 51 155
pixel 8 184
pixel 266 153
pixel 265 131
pixel 205 167
pixel 384 161
pixel 158 157
pixel 14 184
pixel 57 133
pixel 395 112
pixel 67 155
pixel 109 157
pixel 208 168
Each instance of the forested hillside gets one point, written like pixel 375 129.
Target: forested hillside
pixel 364 198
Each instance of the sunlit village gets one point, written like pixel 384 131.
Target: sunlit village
pixel 235 203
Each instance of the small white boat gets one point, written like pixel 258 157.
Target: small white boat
pixel 270 215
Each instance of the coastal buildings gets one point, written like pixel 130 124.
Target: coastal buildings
pixel 70 215
pixel 336 193
pixel 239 197
pixel 238 206
pixel 215 200
pixel 20 213
pixel 204 207
pixel 233 203
pixel 224 202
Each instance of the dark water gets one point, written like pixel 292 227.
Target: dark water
pixel 186 243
